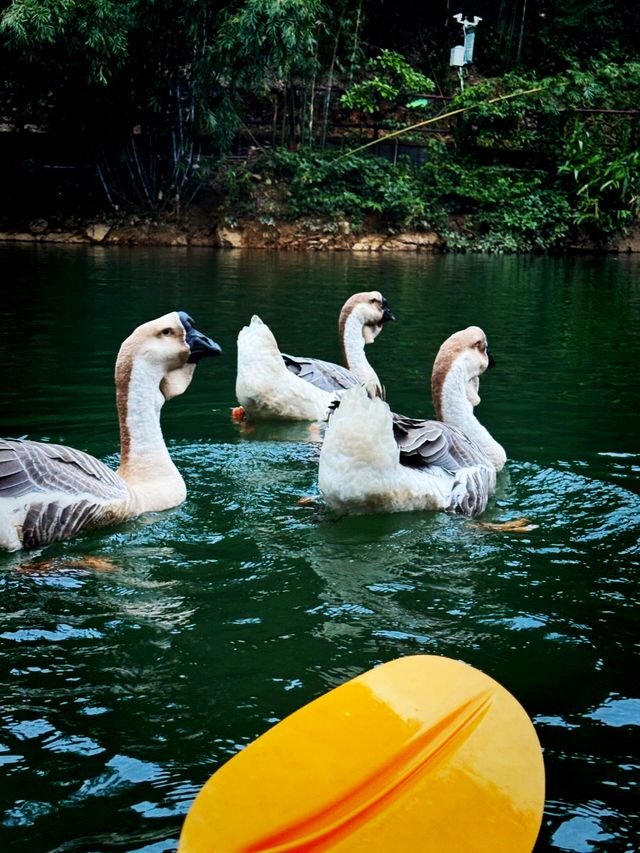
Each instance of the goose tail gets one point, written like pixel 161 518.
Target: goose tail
pixel 257 334
pixel 260 365
pixel 359 453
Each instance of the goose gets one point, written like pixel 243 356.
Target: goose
pixel 50 492
pixel 272 385
pixel 372 460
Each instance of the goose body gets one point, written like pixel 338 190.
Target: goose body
pixel 272 385
pixel 374 461
pixel 50 492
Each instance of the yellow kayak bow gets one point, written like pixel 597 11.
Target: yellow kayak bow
pixel 421 754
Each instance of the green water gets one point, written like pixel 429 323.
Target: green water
pixel 124 689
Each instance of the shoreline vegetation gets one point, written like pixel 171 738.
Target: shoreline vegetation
pixel 320 125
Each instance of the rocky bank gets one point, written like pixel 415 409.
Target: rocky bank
pixel 253 234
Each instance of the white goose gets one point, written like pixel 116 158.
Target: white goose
pixel 50 492
pixel 373 460
pixel 271 384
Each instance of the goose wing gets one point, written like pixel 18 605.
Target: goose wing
pixel 63 489
pixel 425 444
pixel 323 374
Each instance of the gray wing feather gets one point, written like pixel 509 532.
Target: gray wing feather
pixel 50 522
pixel 426 444
pixel 323 374
pixel 43 474
pixel 33 466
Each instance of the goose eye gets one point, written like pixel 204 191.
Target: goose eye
pixel 167 332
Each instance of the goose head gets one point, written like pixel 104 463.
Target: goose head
pixel 465 354
pixel 370 310
pixel 167 350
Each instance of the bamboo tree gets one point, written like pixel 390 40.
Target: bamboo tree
pixel 264 43
pixel 327 96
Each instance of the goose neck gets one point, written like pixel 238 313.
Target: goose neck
pixel 450 398
pixel 453 407
pixel 143 453
pixel 353 351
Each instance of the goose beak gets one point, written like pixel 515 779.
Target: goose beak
pixel 386 313
pixel 200 346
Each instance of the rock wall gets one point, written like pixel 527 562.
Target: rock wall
pixel 253 234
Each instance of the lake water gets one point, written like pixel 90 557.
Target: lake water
pixel 128 681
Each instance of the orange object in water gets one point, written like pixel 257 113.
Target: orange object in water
pixel 419 755
pixel 238 413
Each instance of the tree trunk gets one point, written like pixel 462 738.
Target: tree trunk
pixel 327 97
pixel 312 106
pixel 291 144
pixel 355 38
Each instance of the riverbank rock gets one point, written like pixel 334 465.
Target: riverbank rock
pixel 322 236
pixel 145 233
pixel 629 242
pixel 369 243
pixel 229 238
pixel 202 227
pixel 46 237
pixel 413 241
pixel 97 231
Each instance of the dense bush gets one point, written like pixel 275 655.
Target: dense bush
pixel 286 185
pixel 497 209
pixel 591 153
pixel 484 208
pixel 392 80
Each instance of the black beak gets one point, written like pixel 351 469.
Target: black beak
pixel 200 345
pixel 386 313
pixel 492 361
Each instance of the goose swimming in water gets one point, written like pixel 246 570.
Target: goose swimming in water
pixel 271 384
pixel 375 461
pixel 50 492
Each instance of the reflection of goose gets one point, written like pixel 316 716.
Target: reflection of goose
pixel 372 460
pixel 50 492
pixel 271 384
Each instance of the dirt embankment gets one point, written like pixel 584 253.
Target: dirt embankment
pixel 199 229
pixel 245 234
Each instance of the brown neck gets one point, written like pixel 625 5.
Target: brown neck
pixel 123 381
pixel 441 369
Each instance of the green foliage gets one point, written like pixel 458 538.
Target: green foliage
pixel 99 29
pixel 605 178
pixel 600 85
pixel 392 80
pixel 309 184
pixel 488 209
pixel 496 209
pixel 575 30
pixel 593 154
pixel 266 42
pixel 156 92
pixel 136 88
